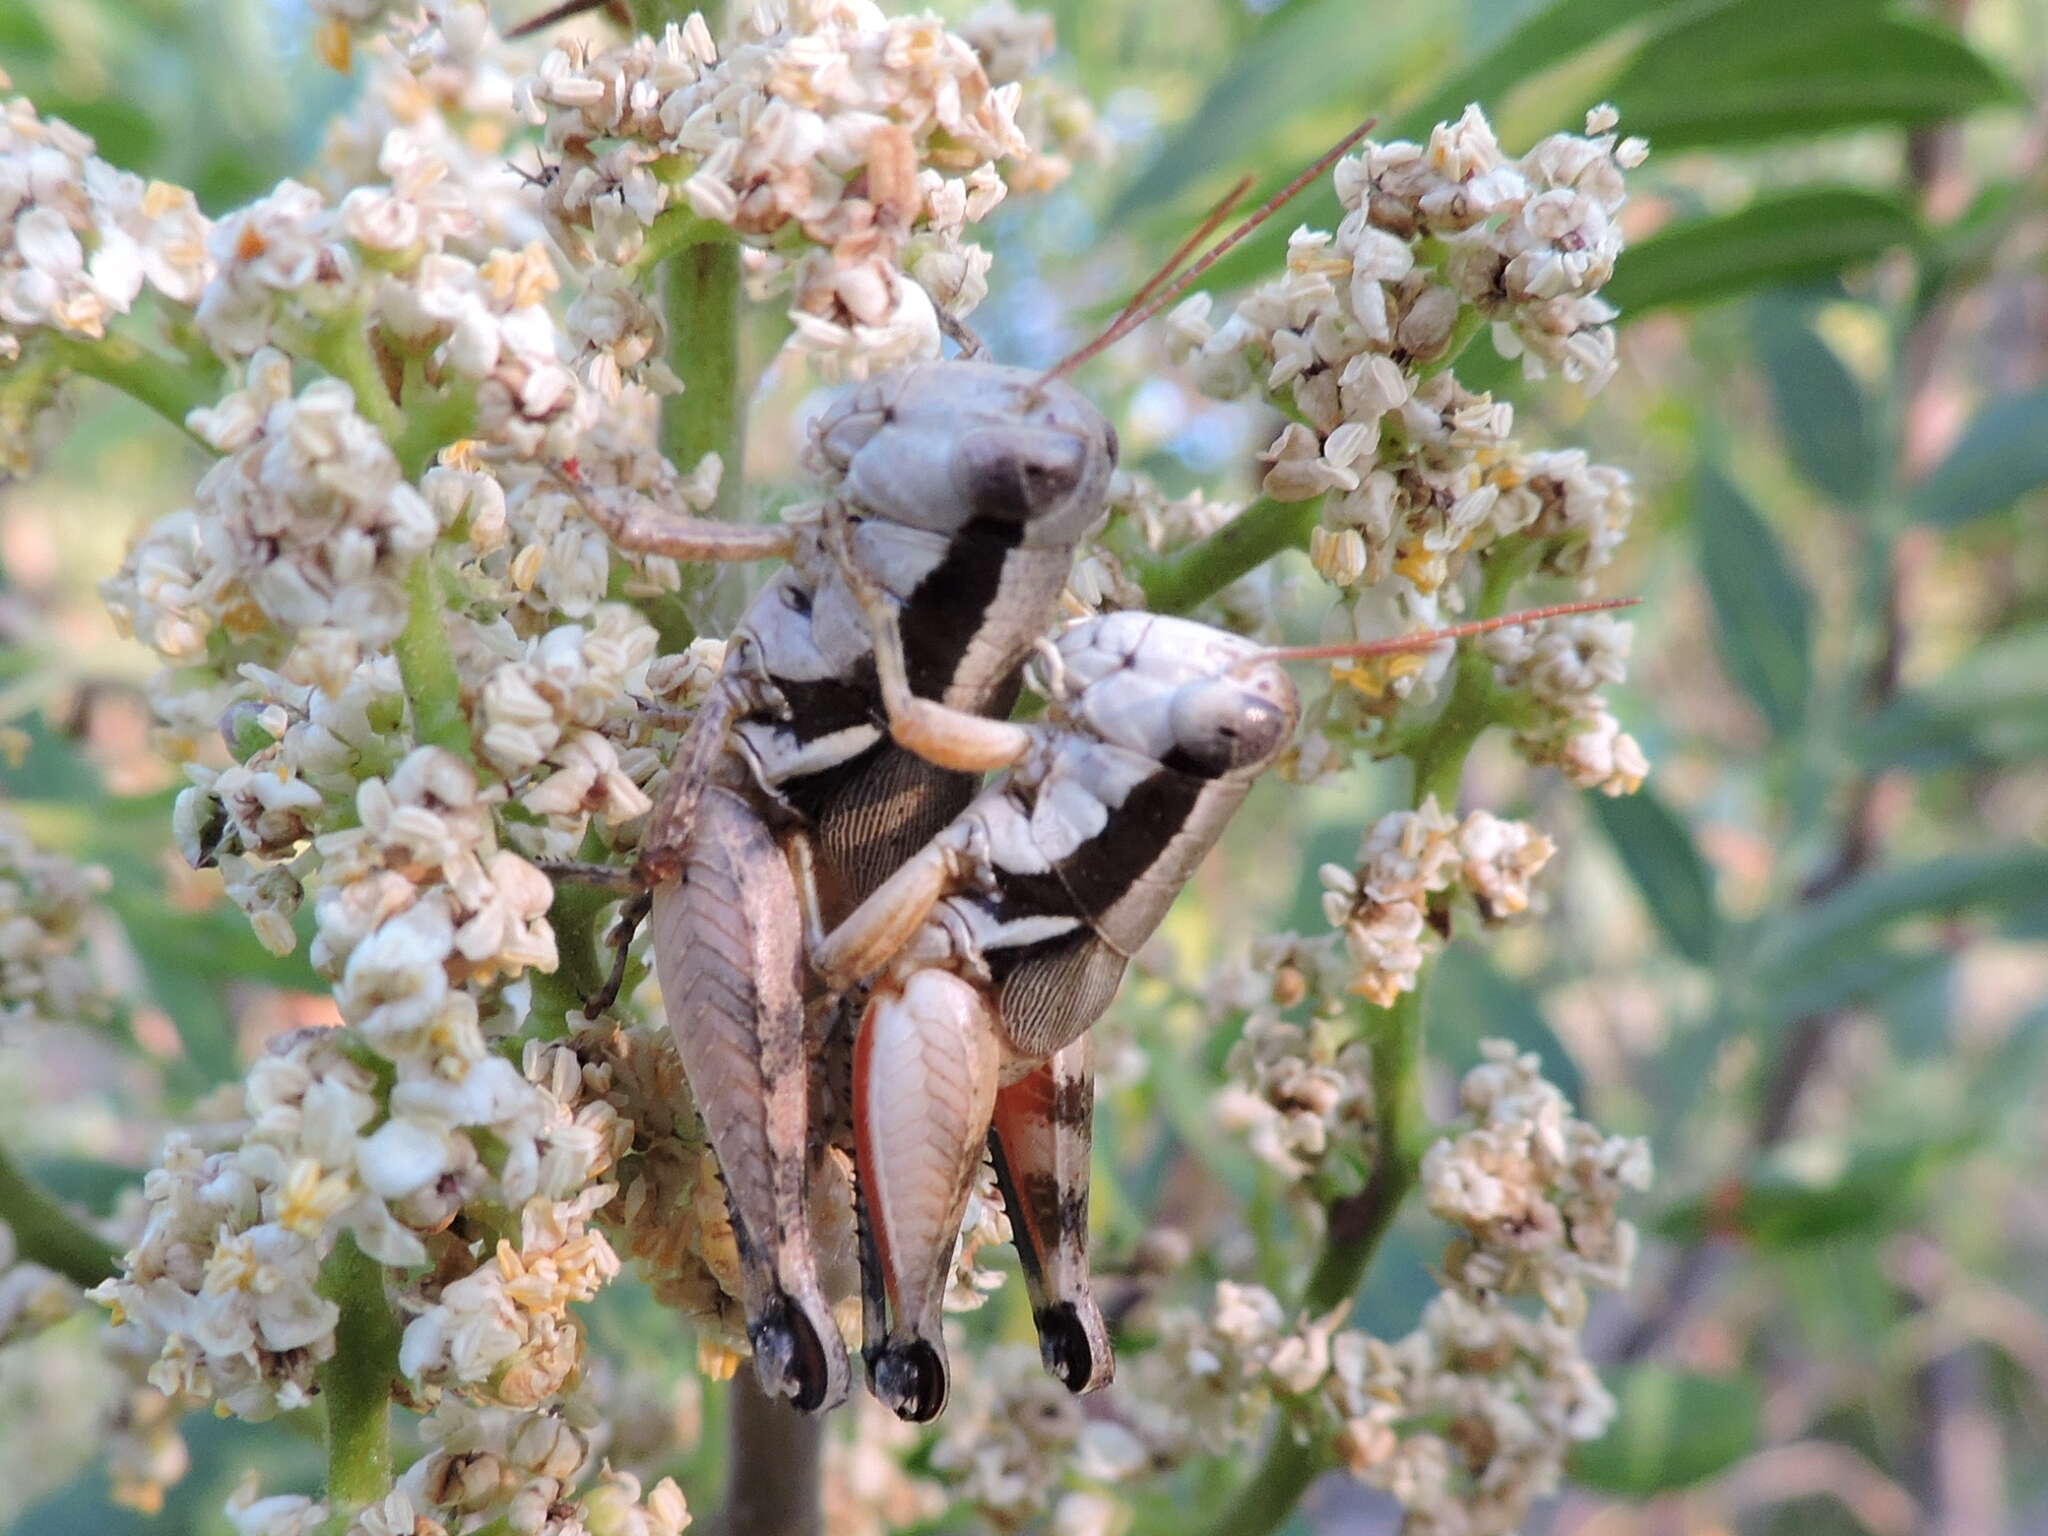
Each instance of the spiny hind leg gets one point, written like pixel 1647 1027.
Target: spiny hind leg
pixel 924 1087
pixel 726 944
pixel 1040 1142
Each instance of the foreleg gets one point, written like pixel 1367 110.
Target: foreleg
pixel 1040 1142
pixel 666 843
pixel 924 1087
pixel 879 927
pixel 727 941
pixel 950 738
pixel 646 529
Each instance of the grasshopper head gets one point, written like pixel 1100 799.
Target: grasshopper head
pixel 960 447
pixel 1198 700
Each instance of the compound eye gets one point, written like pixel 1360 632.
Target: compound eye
pixel 1219 726
pixel 1012 476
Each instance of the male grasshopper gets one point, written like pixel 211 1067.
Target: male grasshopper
pixel 993 951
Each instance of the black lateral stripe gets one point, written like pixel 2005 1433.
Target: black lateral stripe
pixel 1098 873
pixel 940 618
pixel 821 706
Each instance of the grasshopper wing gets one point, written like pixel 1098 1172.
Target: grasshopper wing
pixel 727 947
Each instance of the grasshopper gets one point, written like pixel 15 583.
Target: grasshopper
pixel 991 953
pixel 962 490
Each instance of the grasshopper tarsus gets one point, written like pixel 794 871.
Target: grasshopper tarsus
pixel 631 916
pixel 910 1377
pixel 606 877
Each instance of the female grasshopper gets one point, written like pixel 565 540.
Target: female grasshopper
pixel 993 951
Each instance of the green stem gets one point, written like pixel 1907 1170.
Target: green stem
pixel 1439 757
pixel 164 384
pixel 427 665
pixel 433 420
pixel 700 295
pixel 342 347
pixel 677 229
pixel 1359 1223
pixel 1177 582
pixel 1264 1503
pixel 47 1234
pixel 356 1383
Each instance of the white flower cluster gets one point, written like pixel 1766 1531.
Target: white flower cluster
pixel 80 240
pixel 1018 1445
pixel 528 1474
pixel 1465 1420
pixel 305 521
pixel 1535 1189
pixel 1297 1092
pixel 1411 861
pixel 1561 667
pixel 849 149
pixel 47 903
pixel 867 1491
pixel 1057 121
pixel 31 1297
pixel 1418 476
pixel 1468 1419
pixel 223 1282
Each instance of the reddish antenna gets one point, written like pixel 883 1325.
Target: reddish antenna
pixel 1435 637
pixel 1186 248
pixel 1134 316
pixel 563 12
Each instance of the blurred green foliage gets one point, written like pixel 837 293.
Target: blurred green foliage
pixel 1803 965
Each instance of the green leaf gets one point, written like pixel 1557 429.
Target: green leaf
pixel 1671 1429
pixel 1817 1191
pixel 2002 456
pixel 2010 884
pixel 1557 32
pixel 1657 851
pixel 1470 1000
pixel 1783 237
pixel 1991 707
pixel 1306 57
pixel 1762 614
pixel 1822 414
pixel 1760 78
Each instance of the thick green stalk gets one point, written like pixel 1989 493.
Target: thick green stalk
pixel 356 1383
pixel 426 664
pixel 676 229
pixel 46 1234
pixel 1265 1502
pixel 700 301
pixel 1177 582
pixel 164 384
pixel 1358 1222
